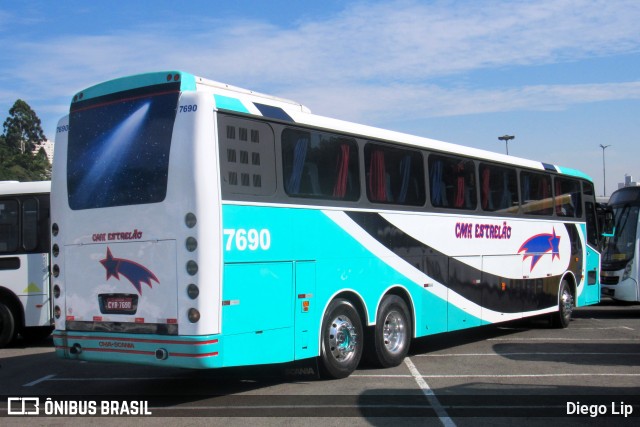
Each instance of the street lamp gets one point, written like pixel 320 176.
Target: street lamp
pixel 604 172
pixel 506 139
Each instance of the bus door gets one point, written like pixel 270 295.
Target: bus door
pixel 591 292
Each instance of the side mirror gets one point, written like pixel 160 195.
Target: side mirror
pixel 608 226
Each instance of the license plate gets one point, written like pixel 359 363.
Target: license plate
pixel 118 303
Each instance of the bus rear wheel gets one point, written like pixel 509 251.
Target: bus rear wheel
pixel 342 340
pixel 562 317
pixel 7 325
pixel 392 333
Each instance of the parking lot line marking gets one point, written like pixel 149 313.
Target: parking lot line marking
pixel 431 397
pixel 562 339
pixel 612 327
pixel 38 381
pixel 50 378
pixel 381 376
pixel 494 375
pixel 536 353
pixel 530 375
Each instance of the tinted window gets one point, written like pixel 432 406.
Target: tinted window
pixel 452 182
pixel 394 175
pixel 247 157
pixel 320 165
pixel 118 151
pixel 535 191
pixel 498 189
pixel 29 224
pixel 625 195
pixel 8 226
pixel 568 198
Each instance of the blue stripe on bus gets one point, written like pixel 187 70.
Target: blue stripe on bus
pixel 231 104
pixel 574 172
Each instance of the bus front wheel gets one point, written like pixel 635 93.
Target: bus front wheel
pixel 562 317
pixel 7 325
pixel 342 340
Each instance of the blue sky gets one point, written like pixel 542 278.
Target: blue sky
pixel 563 76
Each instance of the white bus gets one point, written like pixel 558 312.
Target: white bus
pixel 24 260
pixel 196 224
pixel 620 250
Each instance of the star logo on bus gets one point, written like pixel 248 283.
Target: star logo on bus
pixel 132 271
pixel 539 245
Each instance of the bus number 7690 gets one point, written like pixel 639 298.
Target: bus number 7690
pixel 252 239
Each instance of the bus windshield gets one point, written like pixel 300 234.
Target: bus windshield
pixel 119 149
pixel 619 249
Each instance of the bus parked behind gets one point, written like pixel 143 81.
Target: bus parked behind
pixel 24 260
pixel 620 250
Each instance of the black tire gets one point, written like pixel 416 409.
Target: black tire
pixel 561 318
pixel 391 334
pixel 36 333
pixel 341 340
pixel 7 325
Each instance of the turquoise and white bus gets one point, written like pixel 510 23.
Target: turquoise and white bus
pixel 621 247
pixel 200 225
pixel 24 261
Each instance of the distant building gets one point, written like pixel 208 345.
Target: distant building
pixel 628 182
pixel 48 148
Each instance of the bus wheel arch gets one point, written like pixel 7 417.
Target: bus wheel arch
pixel 341 338
pixel 566 302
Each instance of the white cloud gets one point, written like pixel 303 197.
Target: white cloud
pixel 371 103
pixel 361 63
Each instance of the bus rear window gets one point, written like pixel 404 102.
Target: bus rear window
pixel 118 150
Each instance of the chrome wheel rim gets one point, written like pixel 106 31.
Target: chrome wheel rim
pixel 566 304
pixel 343 339
pixel 394 332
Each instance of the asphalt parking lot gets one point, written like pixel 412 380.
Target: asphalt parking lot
pixel 521 372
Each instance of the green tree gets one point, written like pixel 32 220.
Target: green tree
pixel 23 129
pixel 22 132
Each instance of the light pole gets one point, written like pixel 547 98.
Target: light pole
pixel 604 172
pixel 506 139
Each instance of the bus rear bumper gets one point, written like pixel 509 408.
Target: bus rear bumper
pixel 197 352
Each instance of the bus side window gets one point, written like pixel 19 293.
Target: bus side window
pixel 568 201
pixel 247 157
pixel 8 226
pixel 320 165
pixel 453 182
pixel 498 189
pixel 535 190
pixel 29 224
pixel 394 175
